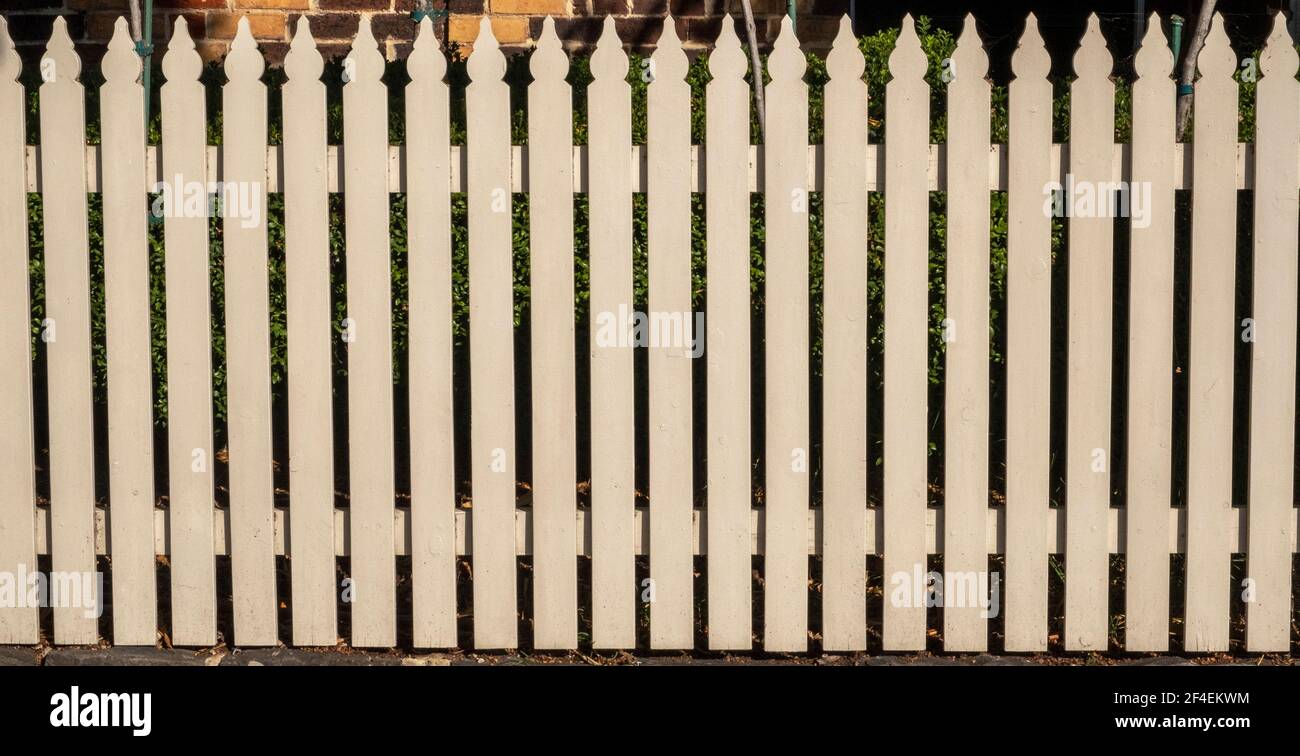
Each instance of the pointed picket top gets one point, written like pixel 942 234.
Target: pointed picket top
pixel 1092 59
pixel 486 63
pixel 727 61
pixel 304 61
pixel 549 61
pixel 364 59
pixel 181 61
pixel 121 62
pixel 1279 54
pixel 1154 58
pixel 244 62
pixel 609 61
pixel 787 62
pixel 60 57
pixel 970 61
pixel 907 61
pixel 669 59
pixel 1217 58
pixel 1031 60
pixel 426 59
pixel 845 59
pixel 11 65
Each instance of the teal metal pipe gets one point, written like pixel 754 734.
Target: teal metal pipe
pixel 1176 22
pixel 144 48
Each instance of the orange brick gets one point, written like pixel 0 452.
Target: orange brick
pixel 508 31
pixel 531 7
pixel 210 51
pixel 270 4
pixel 263 25
pixel 463 28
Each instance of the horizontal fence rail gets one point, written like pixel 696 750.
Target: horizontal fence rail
pixel 995 532
pixel 936 167
pixel 686 564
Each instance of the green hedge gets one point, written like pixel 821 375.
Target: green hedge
pixel 937 43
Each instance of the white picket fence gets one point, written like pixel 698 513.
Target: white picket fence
pixel 785 530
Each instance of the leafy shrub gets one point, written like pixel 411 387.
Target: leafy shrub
pixel 937 44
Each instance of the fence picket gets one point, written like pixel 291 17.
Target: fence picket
pixel 613 458
pixel 1029 303
pixel 130 375
pixel 370 531
pixel 785 563
pixel 1087 559
pixel 308 316
pixel 727 325
pixel 550 142
pixel 668 217
pixel 1273 356
pixel 66 329
pixel 18 624
pixel 189 349
pixel 1151 348
pixel 433 469
pixel 966 376
pixel 248 346
pixel 907 119
pixel 370 343
pixel 1213 337
pixel 844 345
pixel 492 423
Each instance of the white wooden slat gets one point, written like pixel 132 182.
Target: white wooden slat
pixel 1029 297
pixel 1213 339
pixel 308 316
pixel 907 118
pixel 189 350
pixel 787 453
pixel 491 296
pixel 1273 354
pixel 433 470
pixel 613 458
pixel 844 348
pixel 66 330
pixel 727 324
pixel 130 375
pixel 966 375
pixel 550 135
pixel 18 624
pixel 1150 348
pixel 248 347
pixel 370 343
pixel 1087 565
pixel 668 217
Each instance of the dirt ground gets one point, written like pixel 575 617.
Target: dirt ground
pixel 346 656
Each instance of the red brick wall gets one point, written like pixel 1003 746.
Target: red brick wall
pixel 516 22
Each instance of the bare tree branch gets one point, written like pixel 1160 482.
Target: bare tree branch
pixel 757 65
pixel 137 27
pixel 1188 71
